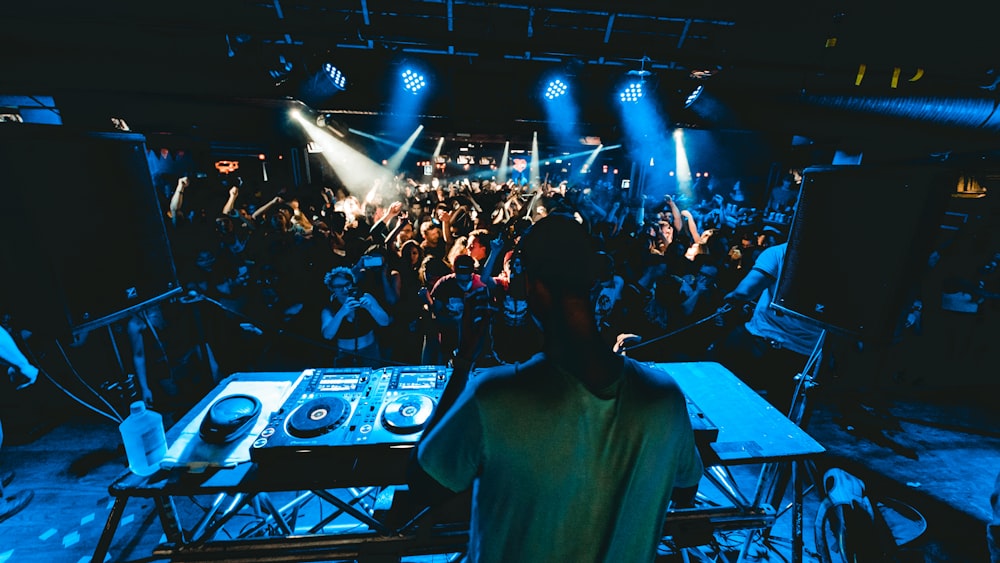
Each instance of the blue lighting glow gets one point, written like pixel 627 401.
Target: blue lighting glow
pixel 632 93
pixel 413 81
pixel 337 77
pixel 555 89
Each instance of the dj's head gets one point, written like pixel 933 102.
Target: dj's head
pixel 558 252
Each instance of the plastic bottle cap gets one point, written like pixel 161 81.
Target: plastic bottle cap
pixel 137 407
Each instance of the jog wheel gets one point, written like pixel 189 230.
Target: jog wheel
pixel 317 417
pixel 407 414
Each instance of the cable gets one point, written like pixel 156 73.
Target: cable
pixel 84 382
pixel 118 355
pixel 155 333
pixel 115 419
pixel 722 310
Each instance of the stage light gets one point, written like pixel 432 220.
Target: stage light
pixel 281 70
pixel 694 95
pixel 413 81
pixel 337 77
pixel 632 93
pixel 555 89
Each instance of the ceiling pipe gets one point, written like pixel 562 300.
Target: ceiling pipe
pixel 972 113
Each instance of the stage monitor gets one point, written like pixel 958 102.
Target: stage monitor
pixel 83 236
pixel 858 245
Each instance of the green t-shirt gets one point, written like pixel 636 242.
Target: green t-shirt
pixel 560 473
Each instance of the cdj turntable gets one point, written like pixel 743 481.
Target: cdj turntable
pixel 398 404
pixel 351 423
pixel 315 413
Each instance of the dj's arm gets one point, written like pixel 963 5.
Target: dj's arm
pixel 475 325
pixel 426 489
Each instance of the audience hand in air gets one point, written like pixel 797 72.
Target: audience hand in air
pixel 22 376
pixel 496 244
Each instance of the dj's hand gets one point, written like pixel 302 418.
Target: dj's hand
pixel 625 341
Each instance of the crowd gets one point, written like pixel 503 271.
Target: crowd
pixel 324 277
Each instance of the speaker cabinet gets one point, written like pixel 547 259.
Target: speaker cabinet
pixel 858 244
pixel 82 237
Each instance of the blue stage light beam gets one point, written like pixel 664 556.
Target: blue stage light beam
pixel 590 159
pixel 684 184
pixel 396 160
pixel 536 177
pixel 647 139
pixel 387 142
pixel 561 111
pixel 437 148
pixel 503 173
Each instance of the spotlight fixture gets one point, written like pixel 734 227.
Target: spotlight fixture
pixel 555 89
pixel 632 93
pixel 280 72
pixel 413 81
pixel 327 122
pixel 693 95
pixel 10 115
pixel 337 77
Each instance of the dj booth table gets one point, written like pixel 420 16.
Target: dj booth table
pixel 280 528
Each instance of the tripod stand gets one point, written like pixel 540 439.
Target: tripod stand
pixel 774 477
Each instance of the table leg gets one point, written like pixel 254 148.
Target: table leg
pixel 110 527
pixel 797 545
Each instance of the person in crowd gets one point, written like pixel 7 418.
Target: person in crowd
pixel 784 196
pixel 659 313
pixel 606 295
pixel 769 350
pixel 150 363
pixel 459 245
pixel 447 299
pixel 432 240
pixel 350 320
pixel 408 320
pixel 509 433
pixel 515 337
pixel 22 374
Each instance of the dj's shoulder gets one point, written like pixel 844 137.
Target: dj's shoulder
pixel 507 374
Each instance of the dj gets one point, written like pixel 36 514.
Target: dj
pixel 573 455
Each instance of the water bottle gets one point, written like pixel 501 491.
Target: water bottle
pixel 145 441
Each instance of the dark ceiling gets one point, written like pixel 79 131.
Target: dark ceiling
pixel 778 66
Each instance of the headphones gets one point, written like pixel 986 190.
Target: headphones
pixel 229 418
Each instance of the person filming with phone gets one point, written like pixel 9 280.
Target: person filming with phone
pixel 350 319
